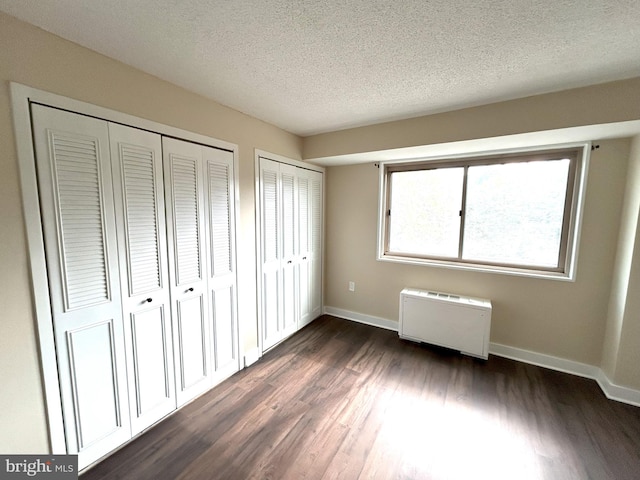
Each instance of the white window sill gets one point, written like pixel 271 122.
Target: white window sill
pixel 473 267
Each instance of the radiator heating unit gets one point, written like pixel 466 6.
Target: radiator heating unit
pixel 445 319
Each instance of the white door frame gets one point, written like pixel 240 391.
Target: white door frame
pixel 21 98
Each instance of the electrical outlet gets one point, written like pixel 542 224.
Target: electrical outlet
pixel 352 286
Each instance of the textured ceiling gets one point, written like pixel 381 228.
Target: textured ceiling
pixel 317 66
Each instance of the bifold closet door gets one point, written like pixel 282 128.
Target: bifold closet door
pixel 139 196
pixel 140 255
pixel 76 200
pixel 221 272
pixel 309 245
pixel 304 247
pixel 184 190
pixel 316 237
pixel 289 248
pixel 271 251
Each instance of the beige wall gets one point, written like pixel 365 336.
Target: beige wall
pixel 621 352
pixel 564 319
pixel 628 365
pixel 38 59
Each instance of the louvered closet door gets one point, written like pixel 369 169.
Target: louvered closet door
pixel 304 245
pixel 74 174
pixel 220 196
pixel 316 242
pixel 289 254
pixel 139 197
pixel 184 189
pixel 271 294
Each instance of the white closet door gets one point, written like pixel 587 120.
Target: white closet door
pixel 291 248
pixel 289 253
pixel 184 188
pixel 74 174
pixel 139 197
pixel 220 202
pixel 316 243
pixel 304 243
pixel 271 301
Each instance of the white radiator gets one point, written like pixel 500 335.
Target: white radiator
pixel 445 319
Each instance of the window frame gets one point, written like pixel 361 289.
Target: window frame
pixel 578 154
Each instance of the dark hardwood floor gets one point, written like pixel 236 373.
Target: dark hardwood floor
pixel 340 400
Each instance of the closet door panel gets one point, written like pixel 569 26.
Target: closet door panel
pixel 304 245
pixel 193 342
pixel 185 183
pixel 183 167
pixel 271 294
pixel 220 195
pixel 220 203
pixel 224 327
pixel 139 199
pixel 94 380
pixel 288 191
pixel 76 194
pixel 290 295
pixel 316 201
pixel 271 328
pixel 152 373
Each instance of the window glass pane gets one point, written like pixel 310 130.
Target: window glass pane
pixel 514 212
pixel 425 212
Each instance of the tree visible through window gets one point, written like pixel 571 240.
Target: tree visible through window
pixel 511 211
pixel 427 203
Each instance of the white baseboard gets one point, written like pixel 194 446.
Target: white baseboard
pixel 616 392
pixel 544 360
pixel 611 390
pixel 251 356
pixel 362 318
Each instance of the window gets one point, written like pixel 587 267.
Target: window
pixel 515 213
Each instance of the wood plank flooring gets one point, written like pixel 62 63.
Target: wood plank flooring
pixel 340 400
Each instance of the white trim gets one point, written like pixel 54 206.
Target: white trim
pixel 610 390
pixel 257 204
pixel 21 97
pixel 235 232
pixel 491 152
pixel 38 268
pixel 76 106
pixel 287 160
pixel 575 221
pixel 323 253
pixel 362 318
pixel 252 356
pixel 471 267
pixel 544 360
pixel 616 392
